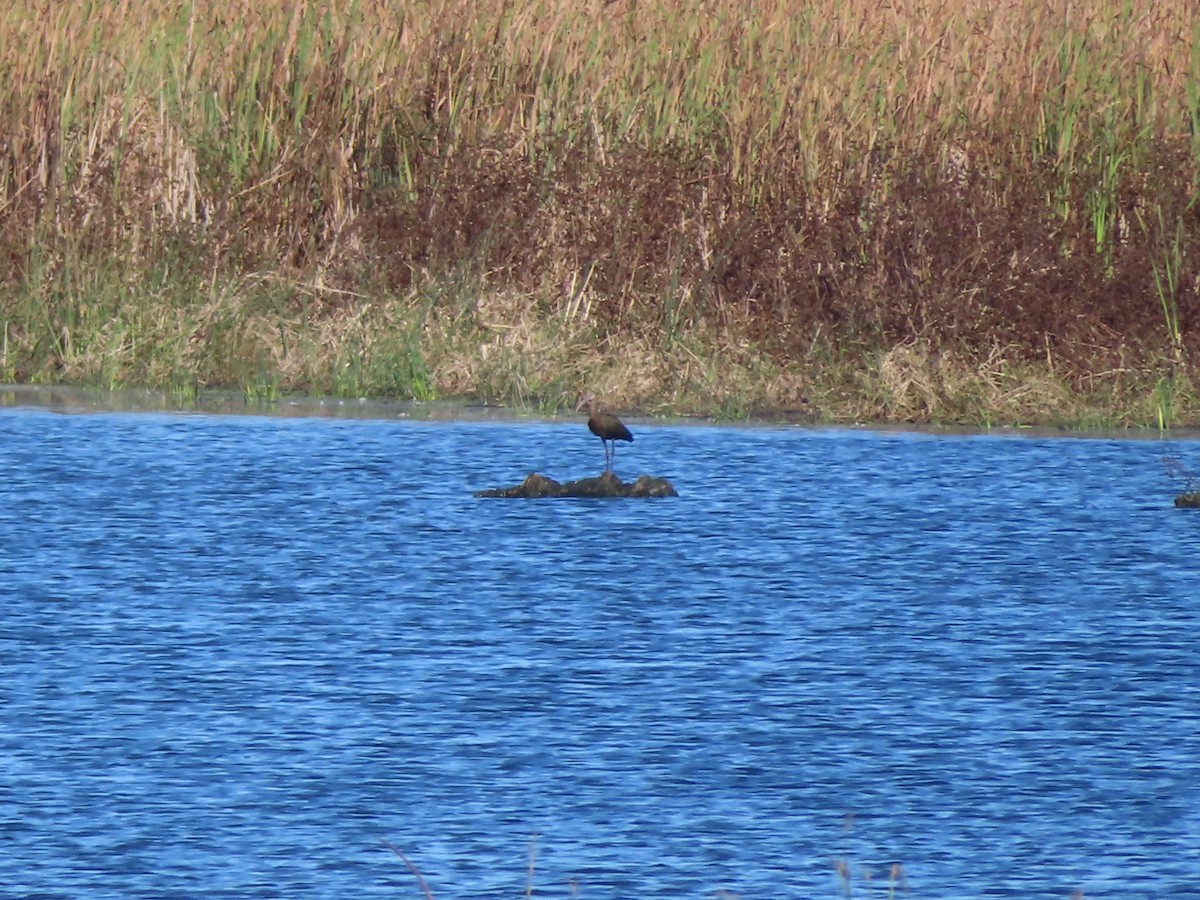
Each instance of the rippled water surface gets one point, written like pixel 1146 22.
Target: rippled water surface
pixel 241 653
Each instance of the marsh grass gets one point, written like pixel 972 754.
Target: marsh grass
pixel 869 880
pixel 930 211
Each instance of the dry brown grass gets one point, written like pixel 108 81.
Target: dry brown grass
pixel 919 210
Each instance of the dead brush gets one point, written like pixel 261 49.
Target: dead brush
pixel 952 177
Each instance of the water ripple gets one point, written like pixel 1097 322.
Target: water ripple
pixel 239 654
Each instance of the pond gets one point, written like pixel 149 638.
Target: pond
pixel 242 655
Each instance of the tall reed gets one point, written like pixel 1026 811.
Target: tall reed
pixel 206 187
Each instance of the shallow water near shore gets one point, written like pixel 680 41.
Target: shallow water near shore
pixel 242 652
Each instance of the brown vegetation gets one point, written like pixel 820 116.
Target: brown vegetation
pixel 941 210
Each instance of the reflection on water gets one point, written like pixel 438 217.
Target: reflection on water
pixel 70 399
pixel 239 654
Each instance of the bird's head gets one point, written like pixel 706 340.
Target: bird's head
pixel 586 399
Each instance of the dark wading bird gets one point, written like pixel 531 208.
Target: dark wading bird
pixel 603 425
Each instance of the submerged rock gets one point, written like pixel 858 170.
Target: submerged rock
pixel 1189 499
pixel 606 485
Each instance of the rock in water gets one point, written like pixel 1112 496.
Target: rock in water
pixel 607 485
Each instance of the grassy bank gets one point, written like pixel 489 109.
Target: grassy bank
pixel 913 211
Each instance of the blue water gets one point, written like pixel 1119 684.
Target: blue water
pixel 241 653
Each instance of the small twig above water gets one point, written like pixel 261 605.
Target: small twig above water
pixel 1176 469
pixel 532 861
pixel 412 868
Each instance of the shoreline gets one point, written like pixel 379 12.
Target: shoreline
pixel 85 400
